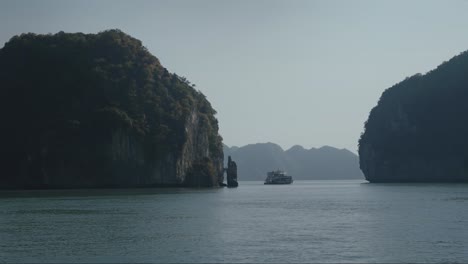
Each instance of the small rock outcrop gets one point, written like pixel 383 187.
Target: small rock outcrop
pixel 231 173
pixel 98 110
pixel 417 132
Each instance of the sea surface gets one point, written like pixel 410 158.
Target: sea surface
pixel 308 221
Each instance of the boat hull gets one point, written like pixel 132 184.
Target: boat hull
pixel 287 182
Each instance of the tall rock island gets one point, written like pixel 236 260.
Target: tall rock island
pixel 418 130
pixel 231 173
pixel 98 110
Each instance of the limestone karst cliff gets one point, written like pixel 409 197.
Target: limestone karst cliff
pixel 417 132
pixel 98 110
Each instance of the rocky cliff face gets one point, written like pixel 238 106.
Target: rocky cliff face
pixel 97 110
pixel 131 167
pixel 417 133
pixel 198 145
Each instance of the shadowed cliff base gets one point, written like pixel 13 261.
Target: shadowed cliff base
pixel 98 110
pixel 417 132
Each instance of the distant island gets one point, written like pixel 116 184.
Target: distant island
pixel 98 110
pixel 418 132
pixel 325 163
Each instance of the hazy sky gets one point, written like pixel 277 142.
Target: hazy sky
pixel 289 72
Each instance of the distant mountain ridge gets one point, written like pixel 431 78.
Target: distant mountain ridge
pixel 255 160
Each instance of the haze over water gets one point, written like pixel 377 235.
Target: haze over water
pixel 308 221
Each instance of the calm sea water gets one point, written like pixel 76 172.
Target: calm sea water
pixel 308 221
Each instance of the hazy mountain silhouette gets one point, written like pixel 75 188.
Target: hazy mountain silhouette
pixel 255 160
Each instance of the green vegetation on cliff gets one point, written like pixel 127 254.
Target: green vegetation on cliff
pixel 417 130
pixel 94 109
